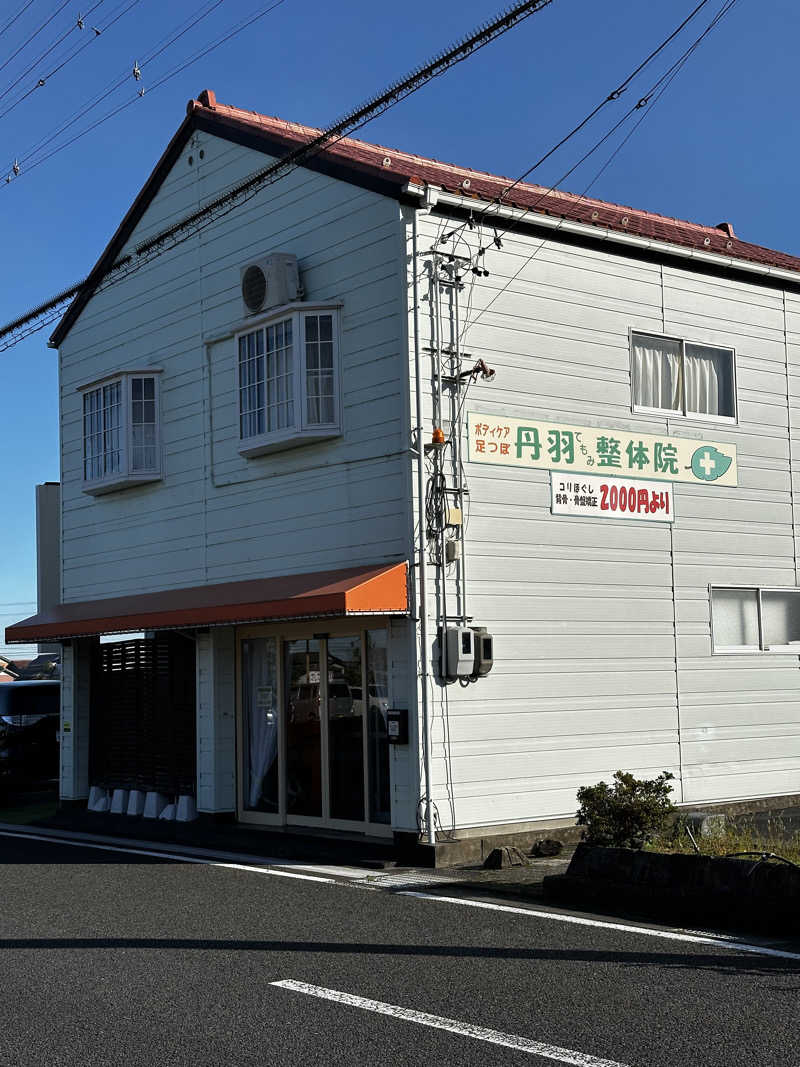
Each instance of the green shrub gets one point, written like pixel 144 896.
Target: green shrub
pixel 627 814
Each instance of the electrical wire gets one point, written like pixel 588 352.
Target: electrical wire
pixel 47 312
pixel 612 97
pixel 353 120
pixel 161 46
pixel 161 81
pixel 34 35
pixel 435 503
pixel 119 12
pixel 51 48
pixel 645 105
pixel 14 18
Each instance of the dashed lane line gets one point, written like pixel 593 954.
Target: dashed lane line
pixel 453 1026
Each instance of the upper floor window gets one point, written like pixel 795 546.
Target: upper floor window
pixel 288 379
pixel 121 444
pixel 676 377
pixel 755 619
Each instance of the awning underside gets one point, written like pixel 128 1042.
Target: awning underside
pixel 374 590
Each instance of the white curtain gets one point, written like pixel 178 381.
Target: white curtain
pixel 260 699
pixel 707 376
pixel 658 373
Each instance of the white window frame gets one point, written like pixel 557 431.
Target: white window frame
pixel 302 432
pixel 125 476
pixel 683 414
pixel 792 649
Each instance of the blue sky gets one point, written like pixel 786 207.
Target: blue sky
pixel 720 145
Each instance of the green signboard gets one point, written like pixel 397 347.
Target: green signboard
pixel 592 450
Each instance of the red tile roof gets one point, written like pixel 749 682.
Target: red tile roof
pixel 391 163
pixel 388 170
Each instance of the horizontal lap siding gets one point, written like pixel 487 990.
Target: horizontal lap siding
pixel 588 614
pixel 217 516
pixel 581 610
pixel 740 727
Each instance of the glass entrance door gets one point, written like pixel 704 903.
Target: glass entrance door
pixel 260 714
pixel 304 791
pixel 313 738
pixel 346 714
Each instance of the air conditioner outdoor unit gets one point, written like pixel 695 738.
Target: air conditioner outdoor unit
pixel 269 282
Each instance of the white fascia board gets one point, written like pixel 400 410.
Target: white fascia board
pixel 603 233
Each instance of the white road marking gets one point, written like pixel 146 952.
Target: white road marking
pixel 719 941
pixel 53 840
pixel 627 928
pixel 440 1022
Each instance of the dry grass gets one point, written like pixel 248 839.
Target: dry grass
pixel 746 834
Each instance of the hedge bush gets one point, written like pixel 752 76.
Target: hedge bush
pixel 629 813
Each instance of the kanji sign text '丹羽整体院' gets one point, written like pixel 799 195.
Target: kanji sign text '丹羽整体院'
pixel 595 450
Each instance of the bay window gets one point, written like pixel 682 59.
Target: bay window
pixel 121 432
pixel 288 381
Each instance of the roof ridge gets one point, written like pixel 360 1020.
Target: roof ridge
pixel 301 129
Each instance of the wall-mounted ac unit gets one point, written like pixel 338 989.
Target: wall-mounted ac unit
pixel 269 282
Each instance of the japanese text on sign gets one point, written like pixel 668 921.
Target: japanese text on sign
pixel 592 450
pixel 611 498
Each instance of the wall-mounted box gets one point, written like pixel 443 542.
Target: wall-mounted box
pixel 397 726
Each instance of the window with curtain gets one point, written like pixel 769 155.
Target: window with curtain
pixel 755 620
pixel 682 378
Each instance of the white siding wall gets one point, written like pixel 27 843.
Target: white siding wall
pixel 602 632
pixel 216 720
pixel 404 768
pixel 74 723
pixel 216 516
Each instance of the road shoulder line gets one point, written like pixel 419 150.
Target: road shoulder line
pixel 453 1026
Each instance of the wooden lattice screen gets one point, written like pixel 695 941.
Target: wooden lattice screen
pixel 142 715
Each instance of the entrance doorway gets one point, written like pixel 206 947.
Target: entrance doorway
pixel 313 730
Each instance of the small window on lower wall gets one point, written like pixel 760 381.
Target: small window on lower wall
pixel 755 620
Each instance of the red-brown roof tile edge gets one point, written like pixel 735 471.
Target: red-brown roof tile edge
pixel 404 166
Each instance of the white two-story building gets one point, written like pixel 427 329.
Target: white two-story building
pixel 435 500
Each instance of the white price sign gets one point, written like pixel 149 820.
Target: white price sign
pixel 611 498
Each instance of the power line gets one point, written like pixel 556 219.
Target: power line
pixel 45 79
pixel 645 104
pixel 35 34
pixel 51 48
pixel 14 18
pixel 52 309
pixel 239 28
pixel 353 120
pixel 612 97
pixel 162 45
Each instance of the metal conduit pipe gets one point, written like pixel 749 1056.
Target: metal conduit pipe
pixel 421 573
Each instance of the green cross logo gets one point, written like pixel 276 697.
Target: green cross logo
pixel 708 463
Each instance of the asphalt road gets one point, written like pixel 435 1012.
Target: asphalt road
pixel 109 958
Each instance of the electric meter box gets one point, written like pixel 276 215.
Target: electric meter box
pixel 459 651
pixel 484 652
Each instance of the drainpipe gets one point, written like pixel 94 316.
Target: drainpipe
pixel 423 611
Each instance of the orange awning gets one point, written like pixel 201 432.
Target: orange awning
pixel 379 590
